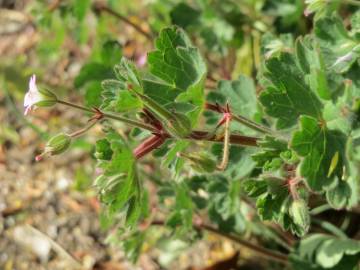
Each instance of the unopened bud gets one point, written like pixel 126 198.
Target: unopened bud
pixel 56 145
pixel 300 214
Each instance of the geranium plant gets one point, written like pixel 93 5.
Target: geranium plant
pixel 263 156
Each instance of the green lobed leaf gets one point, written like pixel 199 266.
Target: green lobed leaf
pixel 338 197
pixel 118 185
pixel 176 62
pixel 289 96
pixel 103 150
pixel 269 157
pixel 255 188
pixel 270 206
pixel 331 251
pixel 309 245
pixel 321 80
pixel 340 50
pixel 318 145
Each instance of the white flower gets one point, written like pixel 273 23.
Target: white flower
pixel 35 97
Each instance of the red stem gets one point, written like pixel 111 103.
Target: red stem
pixel 148 145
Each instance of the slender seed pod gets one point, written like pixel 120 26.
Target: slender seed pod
pixel 176 124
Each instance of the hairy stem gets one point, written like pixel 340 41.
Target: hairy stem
pixel 110 116
pixel 264 252
pixel 196 135
pixel 130 122
pixel 83 130
pixel 85 109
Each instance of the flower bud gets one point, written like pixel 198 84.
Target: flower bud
pixel 56 145
pixel 300 214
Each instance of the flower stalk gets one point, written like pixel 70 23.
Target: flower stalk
pixel 110 116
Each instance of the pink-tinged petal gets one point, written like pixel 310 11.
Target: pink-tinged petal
pixel 32 84
pixel 27 99
pixel 27 110
pixel 33 96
